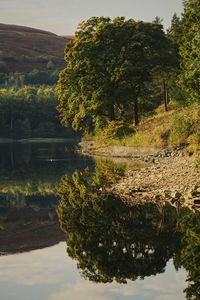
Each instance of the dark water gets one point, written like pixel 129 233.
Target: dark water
pixel 65 238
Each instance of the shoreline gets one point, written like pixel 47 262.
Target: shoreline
pixel 37 140
pixel 92 149
pixel 171 180
pixel 171 176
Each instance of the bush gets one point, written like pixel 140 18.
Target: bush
pixel 180 130
pixel 114 131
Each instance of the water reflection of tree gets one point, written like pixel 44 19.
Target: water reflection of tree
pixel 113 241
pixel 36 168
pixel 190 255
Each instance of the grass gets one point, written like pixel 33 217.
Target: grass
pixel 19 41
pixel 180 126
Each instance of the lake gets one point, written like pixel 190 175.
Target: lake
pixel 62 237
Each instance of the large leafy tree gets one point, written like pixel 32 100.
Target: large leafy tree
pixel 190 50
pixel 110 240
pixel 109 66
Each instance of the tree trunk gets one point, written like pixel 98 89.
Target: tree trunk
pixel 136 112
pixel 11 122
pixel 111 113
pixel 165 95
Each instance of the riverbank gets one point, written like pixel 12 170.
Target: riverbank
pixel 170 145
pixel 173 179
pixel 94 149
pixel 37 140
pixel 169 175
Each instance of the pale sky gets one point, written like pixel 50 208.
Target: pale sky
pixel 63 16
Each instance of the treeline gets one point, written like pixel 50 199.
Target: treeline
pixel 46 76
pixel 30 112
pixel 119 70
pixel 35 77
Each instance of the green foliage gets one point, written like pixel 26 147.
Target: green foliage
pixel 26 169
pixel 189 79
pixel 30 112
pixel 109 69
pixel 180 130
pixel 22 129
pixel 110 240
pixel 190 255
pixel 174 32
pixel 114 130
pixel 180 125
pixel 38 77
pixel 34 77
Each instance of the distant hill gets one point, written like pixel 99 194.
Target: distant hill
pixel 24 49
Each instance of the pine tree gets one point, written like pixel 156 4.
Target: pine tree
pixel 190 51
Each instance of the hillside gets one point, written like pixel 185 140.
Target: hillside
pixel 179 127
pixel 24 49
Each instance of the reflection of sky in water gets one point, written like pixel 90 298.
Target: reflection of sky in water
pixel 50 274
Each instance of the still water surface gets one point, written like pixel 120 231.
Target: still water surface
pixel 62 237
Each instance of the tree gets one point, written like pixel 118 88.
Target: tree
pixel 174 32
pixel 109 64
pixel 30 111
pixel 190 51
pixel 110 240
pixel 190 255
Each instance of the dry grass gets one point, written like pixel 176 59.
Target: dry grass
pixel 16 41
pixel 178 126
pixel 173 128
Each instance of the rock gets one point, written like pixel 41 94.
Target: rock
pixel 195 194
pixel 196 201
pixel 138 190
pixel 167 193
pixel 164 181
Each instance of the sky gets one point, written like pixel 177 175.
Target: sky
pixel 63 16
pixel 49 274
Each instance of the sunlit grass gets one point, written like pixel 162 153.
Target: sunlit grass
pixel 178 126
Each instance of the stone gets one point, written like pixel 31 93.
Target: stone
pixel 196 201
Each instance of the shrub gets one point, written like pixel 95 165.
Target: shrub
pixel 115 130
pixel 180 130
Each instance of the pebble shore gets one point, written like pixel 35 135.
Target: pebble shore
pixel 171 177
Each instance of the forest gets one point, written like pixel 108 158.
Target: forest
pixel 30 111
pixel 121 71
pixel 118 74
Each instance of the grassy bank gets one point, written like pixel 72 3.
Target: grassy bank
pixel 180 126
